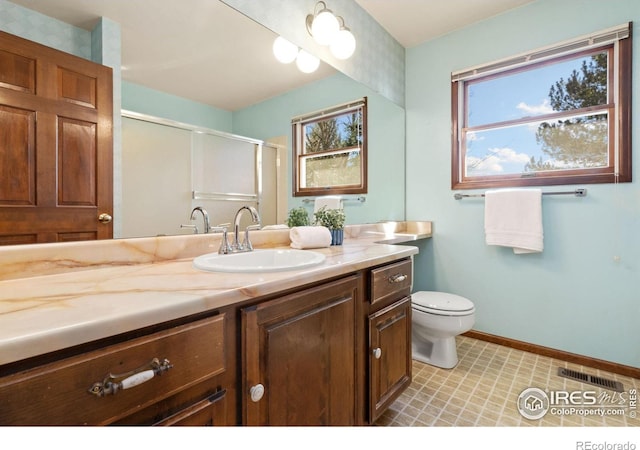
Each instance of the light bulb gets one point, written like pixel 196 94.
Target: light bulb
pixel 343 45
pixel 306 62
pixel 284 51
pixel 324 27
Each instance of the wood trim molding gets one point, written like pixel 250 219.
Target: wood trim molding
pixel 608 366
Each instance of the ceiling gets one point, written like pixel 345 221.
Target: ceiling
pixel 173 46
pixel 412 22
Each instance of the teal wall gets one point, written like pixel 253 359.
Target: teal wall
pixel 582 294
pixel 385 197
pixel 144 100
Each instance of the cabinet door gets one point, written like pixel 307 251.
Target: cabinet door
pixel 299 357
pixel 390 355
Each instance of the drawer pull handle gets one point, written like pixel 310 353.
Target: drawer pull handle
pixel 377 353
pixel 397 278
pixel 114 383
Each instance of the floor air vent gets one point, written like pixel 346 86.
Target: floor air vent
pixel 591 379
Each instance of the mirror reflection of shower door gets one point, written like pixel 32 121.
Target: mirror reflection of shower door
pixel 225 175
pixel 164 163
pixel 156 181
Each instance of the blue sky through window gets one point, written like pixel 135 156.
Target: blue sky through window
pixel 519 95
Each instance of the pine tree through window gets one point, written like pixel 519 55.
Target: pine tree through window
pixel 563 120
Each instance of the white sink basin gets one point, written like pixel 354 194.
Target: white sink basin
pixel 260 260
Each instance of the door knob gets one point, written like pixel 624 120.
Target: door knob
pixel 104 218
pixel 377 353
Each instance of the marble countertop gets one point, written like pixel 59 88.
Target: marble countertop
pixel 53 296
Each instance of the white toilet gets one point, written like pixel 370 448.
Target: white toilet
pixel 437 318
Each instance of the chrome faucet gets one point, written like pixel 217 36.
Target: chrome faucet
pixel 245 246
pixel 205 218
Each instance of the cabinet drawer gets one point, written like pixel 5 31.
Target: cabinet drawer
pixel 207 412
pixel 390 282
pixel 59 393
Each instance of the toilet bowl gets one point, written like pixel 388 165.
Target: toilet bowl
pixel 437 318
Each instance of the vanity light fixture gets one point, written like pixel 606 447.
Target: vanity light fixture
pixel 306 62
pixel 322 24
pixel 344 43
pixel 328 29
pixel 286 52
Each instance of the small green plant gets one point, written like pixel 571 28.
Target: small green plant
pixel 333 219
pixel 298 217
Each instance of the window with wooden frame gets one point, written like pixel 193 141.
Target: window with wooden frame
pixel 330 151
pixel 559 115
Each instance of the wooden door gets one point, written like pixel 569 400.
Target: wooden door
pixel 390 355
pixel 56 145
pixel 299 357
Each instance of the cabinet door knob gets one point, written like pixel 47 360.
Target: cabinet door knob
pixel 256 392
pixel 377 353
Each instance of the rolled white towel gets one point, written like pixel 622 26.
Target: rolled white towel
pixel 280 226
pixel 310 237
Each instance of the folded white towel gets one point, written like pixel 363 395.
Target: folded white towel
pixel 330 201
pixel 310 237
pixel 279 226
pixel 513 218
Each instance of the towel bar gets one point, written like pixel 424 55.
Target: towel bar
pixel 581 192
pixel 360 199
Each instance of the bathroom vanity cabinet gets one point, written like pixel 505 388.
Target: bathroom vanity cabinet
pixel 335 354
pixel 332 352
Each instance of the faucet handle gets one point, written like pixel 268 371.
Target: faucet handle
pixel 246 243
pixel 225 248
pixel 193 227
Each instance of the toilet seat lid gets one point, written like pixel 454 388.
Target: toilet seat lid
pixel 441 303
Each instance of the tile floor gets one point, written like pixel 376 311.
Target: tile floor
pixel 483 389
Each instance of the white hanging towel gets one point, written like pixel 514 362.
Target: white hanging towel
pixel 513 218
pixel 330 201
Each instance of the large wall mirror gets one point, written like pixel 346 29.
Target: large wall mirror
pixel 146 211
